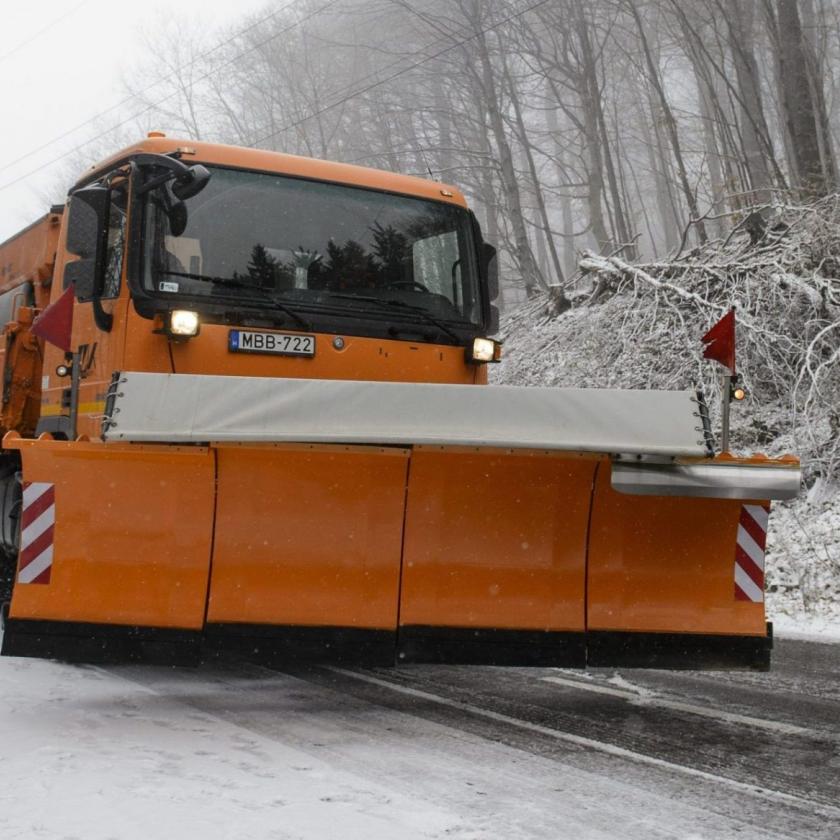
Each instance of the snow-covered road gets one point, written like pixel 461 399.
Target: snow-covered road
pixel 135 753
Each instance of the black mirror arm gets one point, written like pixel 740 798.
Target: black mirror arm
pixel 189 180
pixel 103 320
pixel 174 169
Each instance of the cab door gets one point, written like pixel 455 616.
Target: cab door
pixel 98 337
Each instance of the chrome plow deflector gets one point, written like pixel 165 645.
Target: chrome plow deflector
pixel 709 479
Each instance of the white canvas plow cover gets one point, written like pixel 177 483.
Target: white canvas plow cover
pixel 189 408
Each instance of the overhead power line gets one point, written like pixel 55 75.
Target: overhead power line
pixel 402 72
pixel 295 124
pixel 165 78
pixel 153 105
pixel 42 31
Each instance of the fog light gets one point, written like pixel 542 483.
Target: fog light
pixel 183 322
pixel 485 350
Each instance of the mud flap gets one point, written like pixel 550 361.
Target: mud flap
pixel 662 578
pixel 115 551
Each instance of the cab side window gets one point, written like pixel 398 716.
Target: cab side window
pixel 10 301
pixel 437 265
pixel 115 247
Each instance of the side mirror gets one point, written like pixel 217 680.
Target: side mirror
pixel 87 227
pixel 490 270
pixel 493 321
pixel 191 183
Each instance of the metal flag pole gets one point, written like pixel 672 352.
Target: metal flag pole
pixel 726 396
pixel 75 380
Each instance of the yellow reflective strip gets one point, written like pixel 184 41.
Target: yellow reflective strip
pixel 53 409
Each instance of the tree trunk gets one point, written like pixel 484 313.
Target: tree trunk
pixel 535 182
pixel 752 121
pixel 525 257
pixel 670 125
pixel 803 121
pixel 566 215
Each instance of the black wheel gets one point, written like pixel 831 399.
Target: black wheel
pixel 10 504
pixel 8 567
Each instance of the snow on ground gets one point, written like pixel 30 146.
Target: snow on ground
pixel 88 756
pixel 225 753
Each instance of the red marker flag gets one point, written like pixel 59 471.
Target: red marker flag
pixel 720 342
pixel 55 323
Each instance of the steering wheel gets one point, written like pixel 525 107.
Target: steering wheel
pixel 411 284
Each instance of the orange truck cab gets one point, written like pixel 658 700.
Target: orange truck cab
pixel 253 429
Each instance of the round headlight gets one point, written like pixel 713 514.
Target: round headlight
pixel 183 322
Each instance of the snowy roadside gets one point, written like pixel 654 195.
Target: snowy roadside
pixel 803 567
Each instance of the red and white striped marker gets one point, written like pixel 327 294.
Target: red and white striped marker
pixel 749 553
pixel 37 523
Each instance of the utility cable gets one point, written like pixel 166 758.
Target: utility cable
pixel 326 108
pixel 401 72
pixel 166 98
pixel 160 80
pixel 42 31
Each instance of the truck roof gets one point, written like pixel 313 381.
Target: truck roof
pixel 277 162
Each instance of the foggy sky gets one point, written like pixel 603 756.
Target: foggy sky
pixel 65 76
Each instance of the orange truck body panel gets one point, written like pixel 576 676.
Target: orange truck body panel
pixel 26 260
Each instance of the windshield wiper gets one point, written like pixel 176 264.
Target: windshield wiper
pixel 407 307
pixel 241 284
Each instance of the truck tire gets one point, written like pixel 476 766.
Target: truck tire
pixel 10 504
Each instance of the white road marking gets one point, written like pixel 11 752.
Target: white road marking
pixel 592 744
pixel 703 711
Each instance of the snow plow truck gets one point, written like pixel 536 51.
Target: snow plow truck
pixel 245 413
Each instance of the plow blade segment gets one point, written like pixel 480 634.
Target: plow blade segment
pixel 306 560
pixel 494 563
pixel 128 552
pixel 193 408
pixel 662 581
pixel 708 480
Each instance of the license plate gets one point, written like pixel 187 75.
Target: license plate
pixel 281 344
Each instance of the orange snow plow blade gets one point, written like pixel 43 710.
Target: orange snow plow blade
pixel 274 550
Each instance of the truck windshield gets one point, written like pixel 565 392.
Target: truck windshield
pixel 251 235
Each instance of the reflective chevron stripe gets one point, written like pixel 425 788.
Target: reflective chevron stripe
pixel 37 523
pixel 749 553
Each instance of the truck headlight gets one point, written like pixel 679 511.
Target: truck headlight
pixel 484 350
pixel 184 323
